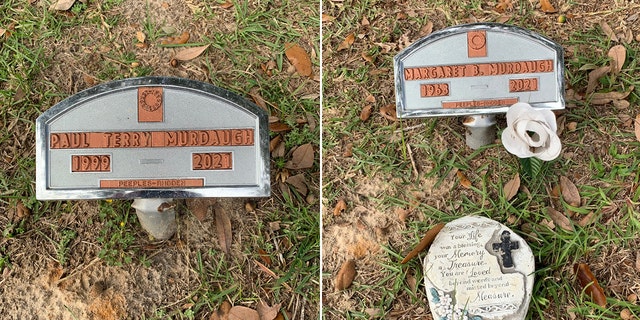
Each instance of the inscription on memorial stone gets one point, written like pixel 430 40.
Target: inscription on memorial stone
pixel 478 69
pixel 477 269
pixel 152 137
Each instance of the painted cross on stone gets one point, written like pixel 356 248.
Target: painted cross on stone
pixel 504 247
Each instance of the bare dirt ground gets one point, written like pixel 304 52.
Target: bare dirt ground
pixel 188 276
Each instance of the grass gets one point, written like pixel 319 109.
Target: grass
pixel 600 156
pixel 50 55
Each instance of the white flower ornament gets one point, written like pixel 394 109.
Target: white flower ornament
pixel 531 133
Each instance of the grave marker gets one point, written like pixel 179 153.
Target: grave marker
pixel 152 137
pixel 478 269
pixel 478 69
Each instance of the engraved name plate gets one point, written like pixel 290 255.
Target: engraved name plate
pixel 478 269
pixel 152 137
pixel 478 69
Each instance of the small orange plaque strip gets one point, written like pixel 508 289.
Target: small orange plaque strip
pixel 91 163
pixel 478 69
pixel 526 84
pixel 150 104
pixel 212 161
pixel 151 183
pixel 434 90
pixel 478 103
pixel 477 44
pixel 151 139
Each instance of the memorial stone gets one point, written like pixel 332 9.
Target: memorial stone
pixel 478 269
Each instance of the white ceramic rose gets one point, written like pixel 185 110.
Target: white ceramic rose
pixel 531 133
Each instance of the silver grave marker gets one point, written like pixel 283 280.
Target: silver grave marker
pixel 152 137
pixel 478 269
pixel 478 70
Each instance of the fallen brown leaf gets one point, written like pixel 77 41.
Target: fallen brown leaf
pixel 298 58
pixel 302 157
pixel 243 313
pixel 588 219
pixel 424 243
pixel 345 276
pixel 618 55
pixel 569 191
pixel 257 98
pixel 366 57
pixel 366 112
pixel 226 5
pixel 594 76
pixel 340 207
pixel 181 39
pixel 511 187
pixel 267 312
pixel 348 150
pixel 327 18
pixel 140 36
pixel 22 211
pixel 560 219
pixel 589 284
pixel 222 313
pixel 347 42
pixel 2 32
pixel 264 256
pixel 464 181
pixel 223 227
pixel 606 97
pixel 426 29
pixel 402 214
pixel 504 5
pixel 299 183
pixel 637 127
pixel 608 31
pixel 190 53
pixel 279 151
pixel 62 5
pixel 389 112
pixel 89 80
pixel 547 7
pixel 200 207
pixel 621 104
pixel 274 142
pixel 279 127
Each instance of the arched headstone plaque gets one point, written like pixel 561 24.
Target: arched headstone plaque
pixel 152 137
pixel 477 69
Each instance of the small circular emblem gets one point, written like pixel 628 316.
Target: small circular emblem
pixel 151 100
pixel 477 41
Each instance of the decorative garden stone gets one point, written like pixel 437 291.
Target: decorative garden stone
pixel 478 269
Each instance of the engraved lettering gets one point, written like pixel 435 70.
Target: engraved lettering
pixel 481 69
pixel 151 183
pixel 91 163
pixel 520 85
pixel 212 161
pixel 172 138
pixel 147 139
pixel 478 103
pixel 434 90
